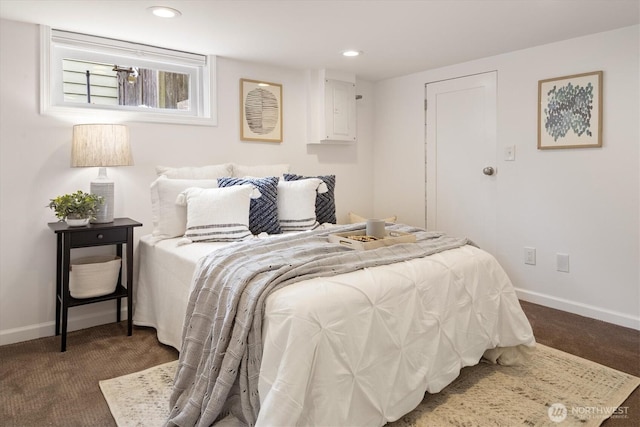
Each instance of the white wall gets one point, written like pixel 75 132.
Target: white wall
pixel 584 202
pixel 35 157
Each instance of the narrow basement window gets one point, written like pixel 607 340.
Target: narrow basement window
pixel 84 75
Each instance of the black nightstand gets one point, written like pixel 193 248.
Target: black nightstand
pixel 118 232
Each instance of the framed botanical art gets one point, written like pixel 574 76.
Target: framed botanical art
pixel 260 111
pixel 570 111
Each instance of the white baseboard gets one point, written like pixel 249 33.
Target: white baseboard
pixel 48 329
pixel 585 310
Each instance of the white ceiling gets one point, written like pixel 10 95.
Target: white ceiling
pixel 397 37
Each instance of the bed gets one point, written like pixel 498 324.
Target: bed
pixel 357 348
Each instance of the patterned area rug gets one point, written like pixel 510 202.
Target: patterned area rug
pixel 555 387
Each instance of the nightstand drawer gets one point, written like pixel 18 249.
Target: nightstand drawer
pixel 98 237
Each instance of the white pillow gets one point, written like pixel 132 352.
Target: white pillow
pixel 170 220
pixel 196 172
pixel 260 171
pixel 297 203
pixel 217 214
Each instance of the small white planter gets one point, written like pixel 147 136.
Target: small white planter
pixel 71 222
pixel 94 276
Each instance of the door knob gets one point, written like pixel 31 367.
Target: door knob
pixel 488 170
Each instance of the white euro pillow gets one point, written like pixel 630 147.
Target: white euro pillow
pixel 259 171
pixel 169 219
pixel 196 172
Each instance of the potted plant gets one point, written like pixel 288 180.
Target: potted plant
pixel 76 208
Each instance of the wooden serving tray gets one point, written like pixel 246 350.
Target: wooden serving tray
pixel 392 238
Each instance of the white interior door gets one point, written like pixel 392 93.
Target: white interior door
pixel 460 145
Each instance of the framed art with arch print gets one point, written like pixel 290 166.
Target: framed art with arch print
pixel 260 111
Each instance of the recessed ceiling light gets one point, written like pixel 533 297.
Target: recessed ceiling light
pixel 351 53
pixel 164 12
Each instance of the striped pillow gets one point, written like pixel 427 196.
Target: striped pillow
pixel 325 202
pixel 263 211
pixel 217 214
pixel 296 203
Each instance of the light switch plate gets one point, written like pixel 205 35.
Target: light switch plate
pixel 510 153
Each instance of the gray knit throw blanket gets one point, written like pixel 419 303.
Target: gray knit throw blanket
pixel 221 351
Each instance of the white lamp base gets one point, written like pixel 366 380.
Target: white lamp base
pixel 103 186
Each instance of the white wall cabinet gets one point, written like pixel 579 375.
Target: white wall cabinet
pixel 331 107
pixel 339 110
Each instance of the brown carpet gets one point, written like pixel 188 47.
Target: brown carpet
pixel 39 386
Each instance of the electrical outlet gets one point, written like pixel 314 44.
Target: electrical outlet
pixel 562 262
pixel 530 256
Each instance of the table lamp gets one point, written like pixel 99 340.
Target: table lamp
pixel 101 145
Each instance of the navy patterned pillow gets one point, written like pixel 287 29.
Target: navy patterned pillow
pixel 325 202
pixel 263 211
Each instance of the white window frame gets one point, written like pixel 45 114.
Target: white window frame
pixel 57 44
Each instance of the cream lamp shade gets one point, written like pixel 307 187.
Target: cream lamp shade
pixel 101 145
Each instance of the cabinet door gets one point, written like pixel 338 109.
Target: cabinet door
pixel 340 110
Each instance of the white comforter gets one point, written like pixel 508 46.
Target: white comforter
pixel 360 348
